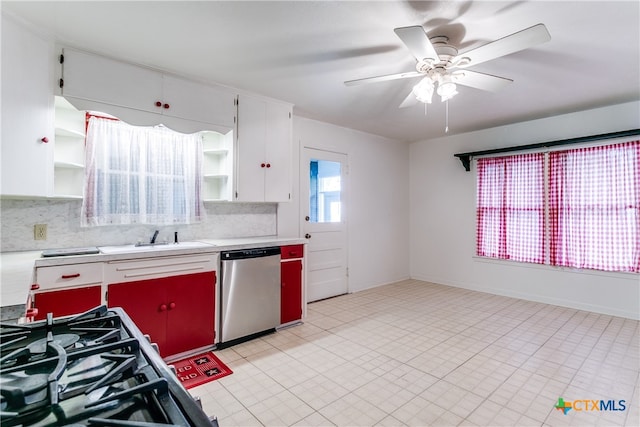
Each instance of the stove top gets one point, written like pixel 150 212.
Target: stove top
pixel 95 369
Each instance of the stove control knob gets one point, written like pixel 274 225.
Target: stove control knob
pixel 155 347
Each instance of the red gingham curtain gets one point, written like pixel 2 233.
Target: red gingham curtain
pixel 594 207
pixel 510 208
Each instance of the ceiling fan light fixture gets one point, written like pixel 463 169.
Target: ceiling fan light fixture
pixel 423 91
pixel 447 89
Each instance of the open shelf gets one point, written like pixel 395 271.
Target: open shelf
pixel 69 152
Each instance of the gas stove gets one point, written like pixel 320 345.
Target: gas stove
pixel 95 369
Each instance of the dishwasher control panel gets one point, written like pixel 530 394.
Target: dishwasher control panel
pixel 250 253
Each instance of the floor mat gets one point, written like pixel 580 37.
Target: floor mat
pixel 202 368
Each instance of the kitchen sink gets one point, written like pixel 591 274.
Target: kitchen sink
pixel 122 249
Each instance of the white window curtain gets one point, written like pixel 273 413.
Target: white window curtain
pixel 141 175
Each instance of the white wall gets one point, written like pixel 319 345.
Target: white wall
pixel 442 213
pixel 377 200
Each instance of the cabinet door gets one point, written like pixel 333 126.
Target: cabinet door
pixel 66 302
pixel 196 101
pixel 251 162
pixel 191 314
pixel 263 166
pixel 277 187
pixel 96 78
pixel 145 302
pixel 291 291
pixel 27 112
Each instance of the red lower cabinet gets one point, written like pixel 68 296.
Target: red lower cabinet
pixel 177 312
pixel 291 291
pixel 65 302
pixel 291 283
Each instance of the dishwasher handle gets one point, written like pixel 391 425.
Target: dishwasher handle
pixel 249 253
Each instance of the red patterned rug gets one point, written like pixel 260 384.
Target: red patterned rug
pixel 202 368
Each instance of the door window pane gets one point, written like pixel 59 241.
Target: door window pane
pixel 325 185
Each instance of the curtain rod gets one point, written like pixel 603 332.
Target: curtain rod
pixel 465 158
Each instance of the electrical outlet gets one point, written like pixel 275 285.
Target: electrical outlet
pixel 40 232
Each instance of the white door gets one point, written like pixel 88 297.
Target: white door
pixel 323 208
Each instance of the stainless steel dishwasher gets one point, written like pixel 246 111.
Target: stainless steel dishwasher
pixel 250 294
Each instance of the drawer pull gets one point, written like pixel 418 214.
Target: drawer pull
pixel 70 276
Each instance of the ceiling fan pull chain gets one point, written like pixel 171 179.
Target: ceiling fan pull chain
pixel 446 123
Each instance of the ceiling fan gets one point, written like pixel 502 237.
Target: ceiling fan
pixel 442 67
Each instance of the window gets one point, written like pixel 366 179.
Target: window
pixel 594 207
pixel 325 187
pixel 510 208
pixel 146 175
pixel 592 216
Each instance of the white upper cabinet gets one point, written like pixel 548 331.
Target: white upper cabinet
pixel 27 112
pixel 195 101
pixel 263 162
pixel 96 78
pixel 127 91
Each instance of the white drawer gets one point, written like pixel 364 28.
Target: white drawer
pixel 68 276
pixel 153 268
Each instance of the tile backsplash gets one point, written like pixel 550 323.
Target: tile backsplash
pixel 62 217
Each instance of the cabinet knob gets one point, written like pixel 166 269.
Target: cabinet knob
pixel 44 139
pixel 163 307
pixel 158 104
pixel 166 106
pixel 307 236
pixel 263 165
pixel 268 165
pixel 172 305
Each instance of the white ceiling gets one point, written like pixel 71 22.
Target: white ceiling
pixel 303 51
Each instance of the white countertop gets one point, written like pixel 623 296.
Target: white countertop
pixel 17 268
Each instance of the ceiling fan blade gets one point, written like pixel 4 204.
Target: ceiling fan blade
pixel 383 78
pixel 482 81
pixel 418 42
pixel 513 43
pixel 409 101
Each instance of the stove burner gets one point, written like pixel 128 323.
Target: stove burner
pixel 19 390
pixel 95 368
pixel 63 340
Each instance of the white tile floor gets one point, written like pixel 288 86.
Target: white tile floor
pixel 418 354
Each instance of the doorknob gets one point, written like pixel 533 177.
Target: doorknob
pixel 307 236
pixel 306 218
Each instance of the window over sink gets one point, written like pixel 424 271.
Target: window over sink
pixel 141 174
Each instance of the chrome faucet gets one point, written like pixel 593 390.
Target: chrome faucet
pixel 152 242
